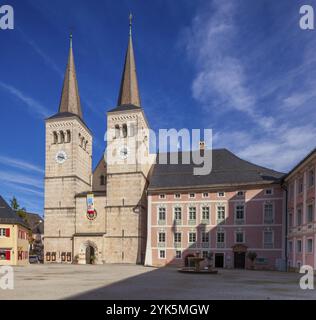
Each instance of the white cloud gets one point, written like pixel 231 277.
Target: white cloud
pixel 21 179
pixel 21 164
pixel 223 83
pixel 34 106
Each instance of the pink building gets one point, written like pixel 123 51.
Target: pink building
pixel 301 213
pixel 237 208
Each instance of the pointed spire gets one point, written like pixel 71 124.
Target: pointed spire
pixel 129 94
pixel 70 100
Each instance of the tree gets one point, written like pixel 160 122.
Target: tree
pixel 16 207
pixel 252 257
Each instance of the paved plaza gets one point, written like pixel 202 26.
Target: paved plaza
pixel 138 282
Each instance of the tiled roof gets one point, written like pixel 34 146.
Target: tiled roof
pixel 9 216
pixel 227 170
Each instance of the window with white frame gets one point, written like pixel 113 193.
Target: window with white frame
pixel 192 213
pixel 221 194
pixel 205 194
pixel 310 213
pixel 268 213
pixel 192 195
pixel 268 192
pixel 192 237
pixel 220 213
pixel 220 237
pixel 240 212
pixel 309 245
pixel 177 195
pixel 177 237
pixel 161 213
pixel 178 254
pixel 298 246
pixel 162 237
pixel 206 213
pixel 2 232
pixel 205 237
pixel 239 237
pixel 268 239
pixel 162 254
pixel 311 178
pixel 178 213
pixel 162 196
pixel 299 217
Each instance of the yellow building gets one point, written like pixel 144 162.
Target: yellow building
pixel 14 234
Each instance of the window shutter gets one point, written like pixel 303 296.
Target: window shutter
pixel 8 255
pixel 7 232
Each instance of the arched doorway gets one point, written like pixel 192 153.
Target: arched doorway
pixel 90 255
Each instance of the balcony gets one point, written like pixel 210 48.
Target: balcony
pixel 268 245
pixel 178 222
pixel 205 221
pixel 268 221
pixel 177 245
pixel 192 222
pixel 192 245
pixel 220 245
pixel 161 244
pixel 239 221
pixel 161 222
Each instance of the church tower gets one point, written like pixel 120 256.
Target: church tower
pixel 68 168
pixel 127 170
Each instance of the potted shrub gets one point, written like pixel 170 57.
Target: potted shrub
pixel 252 257
pixel 75 259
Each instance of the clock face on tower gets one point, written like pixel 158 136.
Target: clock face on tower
pixel 61 157
pixel 124 152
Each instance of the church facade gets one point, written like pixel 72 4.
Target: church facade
pixel 128 211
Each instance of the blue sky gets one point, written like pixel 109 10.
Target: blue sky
pixel 243 68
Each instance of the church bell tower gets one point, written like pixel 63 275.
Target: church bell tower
pixel 67 169
pixel 127 169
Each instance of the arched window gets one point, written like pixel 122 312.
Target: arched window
pixel 124 130
pixel 62 136
pixel 82 142
pixel 117 131
pixel 55 137
pixel 86 145
pixel 68 136
pixel 102 180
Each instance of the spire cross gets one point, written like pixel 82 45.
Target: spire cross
pixel 70 39
pixel 130 23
